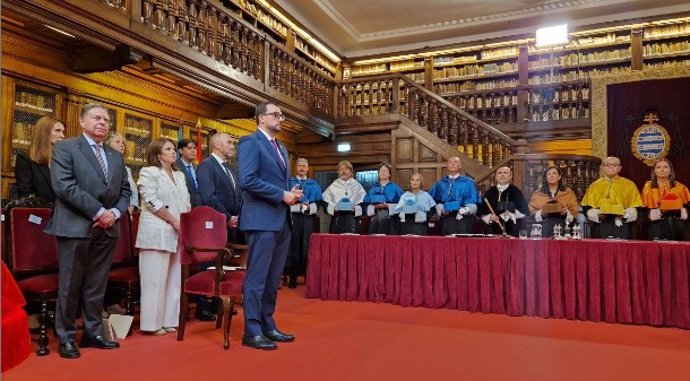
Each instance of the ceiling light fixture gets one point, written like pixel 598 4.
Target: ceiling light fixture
pixel 59 31
pixel 552 35
pixel 344 147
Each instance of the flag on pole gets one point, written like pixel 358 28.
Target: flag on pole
pixel 198 141
pixel 180 130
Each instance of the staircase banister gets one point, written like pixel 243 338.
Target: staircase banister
pixel 533 157
pixel 507 140
pixel 484 176
pixel 493 131
pixel 523 176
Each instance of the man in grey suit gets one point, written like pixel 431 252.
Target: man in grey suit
pixel 92 192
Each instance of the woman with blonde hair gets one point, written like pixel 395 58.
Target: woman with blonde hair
pixel 116 141
pixel 343 200
pixel 415 208
pixel 32 169
pixel 164 196
pixel 667 202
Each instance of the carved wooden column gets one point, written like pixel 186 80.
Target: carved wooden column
pixel 395 96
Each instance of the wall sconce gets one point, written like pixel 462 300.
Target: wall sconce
pixel 344 147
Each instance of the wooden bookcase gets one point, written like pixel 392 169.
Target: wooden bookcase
pixel 255 14
pixel 169 130
pixel 138 132
pixel 23 103
pixel 477 70
pixel 412 68
pixel 518 82
pixel 666 46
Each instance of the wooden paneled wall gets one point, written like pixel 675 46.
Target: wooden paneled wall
pixel 407 147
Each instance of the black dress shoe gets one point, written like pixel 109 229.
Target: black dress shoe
pixel 204 315
pixel 69 350
pixel 98 342
pixel 276 335
pixel 259 342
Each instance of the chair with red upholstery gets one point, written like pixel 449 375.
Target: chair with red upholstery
pixel 3 237
pixel 35 262
pixel 203 236
pixel 124 273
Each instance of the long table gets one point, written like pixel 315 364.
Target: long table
pixel 634 282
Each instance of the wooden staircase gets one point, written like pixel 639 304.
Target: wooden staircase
pixel 426 130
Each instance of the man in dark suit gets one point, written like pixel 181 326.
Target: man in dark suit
pixel 219 188
pixel 92 193
pixel 218 182
pixel 185 162
pixel 265 220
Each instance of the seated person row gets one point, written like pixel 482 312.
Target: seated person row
pixel 455 197
pixel 667 203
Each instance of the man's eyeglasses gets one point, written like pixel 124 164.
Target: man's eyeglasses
pixel 277 114
pixel 610 165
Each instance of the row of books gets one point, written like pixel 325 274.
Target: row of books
pixel 667 30
pixel 666 48
pixel 546 113
pixel 487 101
pixel 475 70
pixel 574 59
pixel 456 87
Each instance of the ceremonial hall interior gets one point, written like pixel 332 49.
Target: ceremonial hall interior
pixel 406 82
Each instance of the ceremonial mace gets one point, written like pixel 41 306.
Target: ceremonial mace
pixel 494 214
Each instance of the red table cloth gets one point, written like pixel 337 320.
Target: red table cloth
pixel 635 282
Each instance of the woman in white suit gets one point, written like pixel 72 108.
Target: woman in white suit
pixel 164 197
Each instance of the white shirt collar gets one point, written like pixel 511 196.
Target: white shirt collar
pixel 91 141
pixel 266 135
pixel 218 158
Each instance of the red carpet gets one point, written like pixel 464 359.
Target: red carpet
pixel 367 341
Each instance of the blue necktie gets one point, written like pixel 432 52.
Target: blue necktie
pixel 192 176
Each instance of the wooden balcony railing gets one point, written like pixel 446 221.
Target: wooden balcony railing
pixel 386 94
pixel 459 119
pixel 528 170
pixel 209 28
pixel 218 32
pixel 291 76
